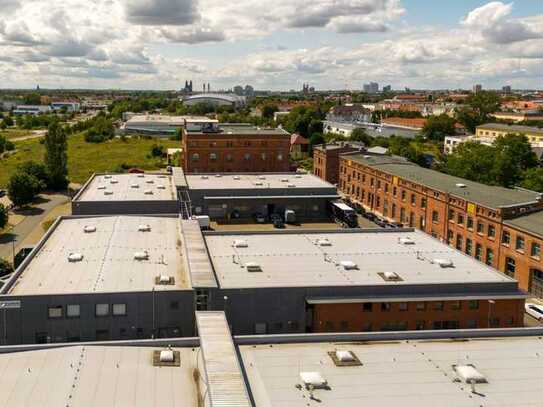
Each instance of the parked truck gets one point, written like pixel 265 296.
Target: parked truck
pixel 343 213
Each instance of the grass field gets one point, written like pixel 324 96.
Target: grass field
pixel 85 158
pixel 15 133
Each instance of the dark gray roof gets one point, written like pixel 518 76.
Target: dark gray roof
pixel 242 129
pixel 513 128
pixel 485 195
pixel 531 223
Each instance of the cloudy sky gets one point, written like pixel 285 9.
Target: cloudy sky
pixel 277 44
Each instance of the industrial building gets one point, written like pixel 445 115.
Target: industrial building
pixel 103 278
pixel 216 99
pixel 498 226
pixel 117 194
pixel 236 148
pixel 463 368
pixel 31 109
pixel 326 159
pixel 232 196
pixel 354 280
pixel 164 125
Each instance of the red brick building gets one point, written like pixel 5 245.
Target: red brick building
pixel 501 227
pixel 326 159
pixel 236 148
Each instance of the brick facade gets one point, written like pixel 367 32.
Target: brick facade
pixel 326 161
pixel 398 316
pixel 225 152
pixel 466 225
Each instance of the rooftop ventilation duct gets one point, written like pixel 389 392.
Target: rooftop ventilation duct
pixel 240 243
pixel 148 192
pixel 261 177
pixel 107 176
pixel 284 179
pixel 324 242
pixel 162 176
pixel 236 177
pixel 459 185
pixel 443 262
pixel 89 229
pixel 150 181
pixel 291 186
pixel 144 228
pixel 253 267
pixel 344 356
pixel 348 265
pixel 113 181
pixel 101 187
pixel 258 183
pixel 160 186
pixel 204 177
pixel 140 175
pixel 313 379
pixel 469 374
pixel 108 192
pixel 218 175
pixel 391 276
pixel 141 255
pixel 297 176
pixel 134 186
pixel 75 257
pixel 406 240
pixel 166 356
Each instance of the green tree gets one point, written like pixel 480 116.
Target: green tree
pixel 316 139
pixel 360 134
pixel 37 170
pixel 472 161
pixel 22 188
pixel 533 179
pixel 437 127
pixel 32 99
pixel 8 120
pixel 3 216
pixel 268 110
pixel 477 109
pixel 56 156
pixel 513 157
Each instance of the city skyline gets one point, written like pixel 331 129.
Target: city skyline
pixel 341 44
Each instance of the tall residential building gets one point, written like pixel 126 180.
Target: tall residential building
pixel 372 87
pixel 506 89
pixel 477 88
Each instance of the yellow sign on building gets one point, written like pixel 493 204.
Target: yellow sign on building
pixel 471 208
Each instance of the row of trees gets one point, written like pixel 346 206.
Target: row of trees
pixel 32 177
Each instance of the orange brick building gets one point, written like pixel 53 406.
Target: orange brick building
pixel 498 226
pixel 236 148
pixel 326 159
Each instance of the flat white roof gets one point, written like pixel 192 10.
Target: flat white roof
pixel 96 376
pixel 399 373
pixel 160 119
pixel 298 260
pixel 108 263
pixel 256 181
pixel 128 187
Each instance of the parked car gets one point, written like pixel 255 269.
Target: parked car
pixel 380 222
pixel 277 221
pixel 259 218
pixel 369 216
pixel 393 225
pixel 534 310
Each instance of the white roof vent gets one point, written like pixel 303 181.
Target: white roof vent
pixel 160 186
pixel 297 176
pixel 166 356
pixel 469 374
pixel 204 177
pixel 348 265
pixel 391 276
pixel 236 177
pixel 324 242
pixel 101 187
pixel 107 176
pixel 140 175
pixel 134 186
pixel 89 229
pixel 459 185
pixel 284 179
pixel 443 262
pixel 218 175
pixel 141 255
pixel 253 267
pixel 144 228
pixel 345 356
pixel 405 240
pixel 148 192
pixel 240 243
pixel 150 181
pixel 291 186
pixel 113 181
pixel 258 183
pixel 75 257
pixel 261 177
pixel 108 192
pixel 313 379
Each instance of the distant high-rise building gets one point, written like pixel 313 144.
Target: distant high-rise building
pixel 249 90
pixel 477 88
pixel 372 87
pixel 238 90
pixel 387 88
pixel 506 89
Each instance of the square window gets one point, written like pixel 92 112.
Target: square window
pixel 491 231
pixel 55 312
pixel 119 309
pixel 421 306
pixel 367 307
pixel 456 305
pixel 102 310
pixel 385 306
pixel 438 306
pixel 474 304
pixel 403 306
pixel 536 250
pixel 73 310
pixel 519 244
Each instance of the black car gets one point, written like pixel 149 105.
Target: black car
pixel 369 216
pixel 277 221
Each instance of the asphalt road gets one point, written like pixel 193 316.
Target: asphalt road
pixel 34 216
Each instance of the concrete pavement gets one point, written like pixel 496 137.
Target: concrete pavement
pixel 33 217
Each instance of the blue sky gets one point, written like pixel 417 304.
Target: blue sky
pixel 158 44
